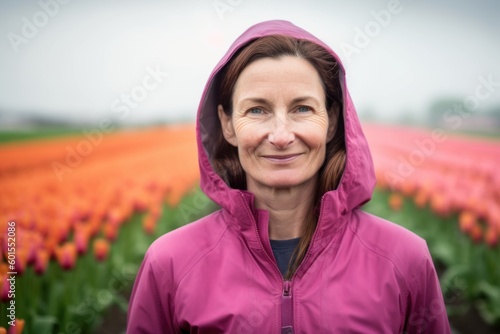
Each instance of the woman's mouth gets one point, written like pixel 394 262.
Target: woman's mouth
pixel 281 158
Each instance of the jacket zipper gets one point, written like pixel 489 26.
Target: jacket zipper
pixel 286 296
pixel 287 309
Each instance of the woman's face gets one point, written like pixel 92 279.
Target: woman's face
pixel 279 123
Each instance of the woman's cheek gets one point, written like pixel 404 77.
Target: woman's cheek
pixel 312 133
pixel 248 130
pixel 318 123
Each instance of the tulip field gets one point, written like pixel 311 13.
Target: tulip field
pixel 79 206
pixel 77 213
pixel 446 188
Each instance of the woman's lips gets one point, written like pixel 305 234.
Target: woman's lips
pixel 281 158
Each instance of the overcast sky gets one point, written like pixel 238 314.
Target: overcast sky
pixel 80 59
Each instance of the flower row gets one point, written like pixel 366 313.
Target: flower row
pixel 63 195
pixel 448 173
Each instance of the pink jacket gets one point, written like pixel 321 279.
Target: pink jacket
pixel 362 274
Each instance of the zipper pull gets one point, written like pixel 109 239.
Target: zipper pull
pixel 287 309
pixel 287 288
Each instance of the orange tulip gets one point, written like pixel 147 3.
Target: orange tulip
pixel 17 328
pixel 395 201
pixel 62 230
pixel 51 245
pixel 491 236
pixel 66 255
pixel 41 261
pixel 466 221
pixel 155 210
pixel 115 216
pixel 110 231
pixel 149 223
pixel 420 199
pixel 101 249
pixel 440 204
pixel 174 196
pixel 94 226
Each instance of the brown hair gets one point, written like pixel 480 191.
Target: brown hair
pixel 225 159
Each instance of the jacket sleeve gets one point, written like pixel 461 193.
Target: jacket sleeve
pixel 150 309
pixel 426 311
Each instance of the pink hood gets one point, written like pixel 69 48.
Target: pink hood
pixel 361 274
pixel 358 181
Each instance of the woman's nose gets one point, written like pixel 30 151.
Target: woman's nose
pixel 280 134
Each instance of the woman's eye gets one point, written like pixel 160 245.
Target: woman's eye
pixel 303 109
pixel 255 111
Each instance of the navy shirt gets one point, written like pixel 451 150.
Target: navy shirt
pixel 283 250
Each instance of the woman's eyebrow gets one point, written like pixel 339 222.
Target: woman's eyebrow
pixel 263 101
pixel 256 100
pixel 304 99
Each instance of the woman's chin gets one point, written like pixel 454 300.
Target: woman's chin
pixel 281 181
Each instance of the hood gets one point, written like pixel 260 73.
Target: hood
pixel 358 180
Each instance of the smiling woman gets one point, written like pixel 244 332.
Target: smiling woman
pixel 278 76
pixel 282 152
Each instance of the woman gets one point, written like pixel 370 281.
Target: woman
pixel 282 152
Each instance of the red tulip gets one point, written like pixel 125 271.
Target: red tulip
pixel 81 239
pixel 476 233
pixel 22 255
pixel 4 287
pixel 140 204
